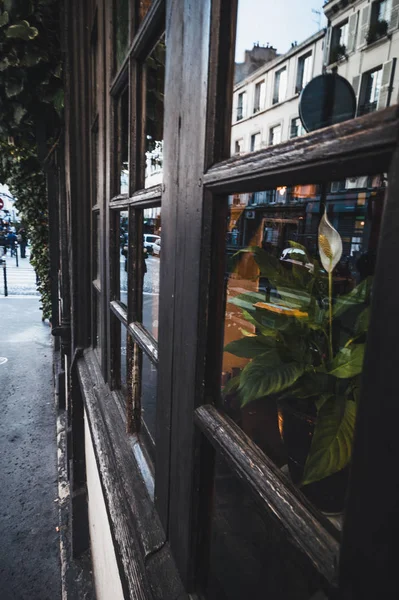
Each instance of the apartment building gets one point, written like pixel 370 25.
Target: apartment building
pixel 362 45
pixel 265 104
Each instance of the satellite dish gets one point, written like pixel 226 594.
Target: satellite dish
pixel 326 100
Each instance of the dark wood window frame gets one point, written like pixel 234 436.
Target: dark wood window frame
pixel 368 143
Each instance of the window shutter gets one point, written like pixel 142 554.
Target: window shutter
pixel 355 85
pixel 386 84
pixel 327 44
pixel 394 18
pixel 364 25
pixel 353 19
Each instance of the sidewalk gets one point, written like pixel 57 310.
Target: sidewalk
pixel 21 279
pixel 29 549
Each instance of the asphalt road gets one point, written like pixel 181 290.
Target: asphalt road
pixel 29 541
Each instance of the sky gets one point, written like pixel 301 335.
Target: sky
pixel 277 22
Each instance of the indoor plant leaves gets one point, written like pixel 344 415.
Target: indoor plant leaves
pixel 331 447
pixel 265 375
pixel 348 362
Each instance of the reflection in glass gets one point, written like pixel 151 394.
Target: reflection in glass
pixel 97 245
pixel 144 7
pixel 123 373
pixel 300 268
pixel 123 254
pixel 152 255
pixel 97 321
pixel 123 141
pixel 154 107
pixel 121 30
pixel 248 558
pixel 271 74
pixel 149 394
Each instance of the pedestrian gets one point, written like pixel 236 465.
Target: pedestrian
pixel 11 241
pixel 23 240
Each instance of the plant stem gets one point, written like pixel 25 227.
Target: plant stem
pixel 330 313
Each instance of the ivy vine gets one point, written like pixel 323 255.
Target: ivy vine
pixel 31 105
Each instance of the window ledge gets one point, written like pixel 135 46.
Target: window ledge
pixel 338 62
pixel 380 40
pixel 143 555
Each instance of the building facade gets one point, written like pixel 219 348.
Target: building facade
pixel 231 398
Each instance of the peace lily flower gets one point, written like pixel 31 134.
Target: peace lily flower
pixel 330 244
pixel 330 249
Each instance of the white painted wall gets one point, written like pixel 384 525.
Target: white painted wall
pixel 105 569
pixel 277 114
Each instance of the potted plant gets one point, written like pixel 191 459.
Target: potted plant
pixel 376 31
pixel 305 354
pixel 337 53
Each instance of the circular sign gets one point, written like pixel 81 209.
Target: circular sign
pixel 1 203
pixel 326 100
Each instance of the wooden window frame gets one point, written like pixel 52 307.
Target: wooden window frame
pixel 193 197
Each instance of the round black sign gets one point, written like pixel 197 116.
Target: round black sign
pixel 326 100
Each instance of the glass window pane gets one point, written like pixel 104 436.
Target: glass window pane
pixel 152 257
pixel 154 107
pixel 249 558
pixel 149 394
pixel 144 7
pixel 326 42
pixel 121 30
pixel 96 245
pixel 123 255
pixel 97 322
pixel 122 139
pixel 300 270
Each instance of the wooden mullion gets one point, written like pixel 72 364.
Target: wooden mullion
pixel 136 128
pixel 150 29
pixel 119 311
pixel 360 146
pixel 370 534
pixel 221 75
pixel 148 197
pixel 145 341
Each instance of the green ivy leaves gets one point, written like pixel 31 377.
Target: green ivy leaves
pixel 22 30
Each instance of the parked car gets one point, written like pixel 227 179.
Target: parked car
pixel 149 241
pixel 156 248
pixel 296 256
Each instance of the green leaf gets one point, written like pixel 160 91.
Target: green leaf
pixel 331 447
pixel 264 329
pixel 249 347
pixel 348 362
pixel 362 322
pixel 4 18
pixel 267 375
pixel 19 113
pixel 247 300
pixel 22 30
pixel 14 87
pixel 231 385
pixel 359 295
pixel 298 246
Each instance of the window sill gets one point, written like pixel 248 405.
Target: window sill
pixel 380 40
pixel 338 62
pixel 139 540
